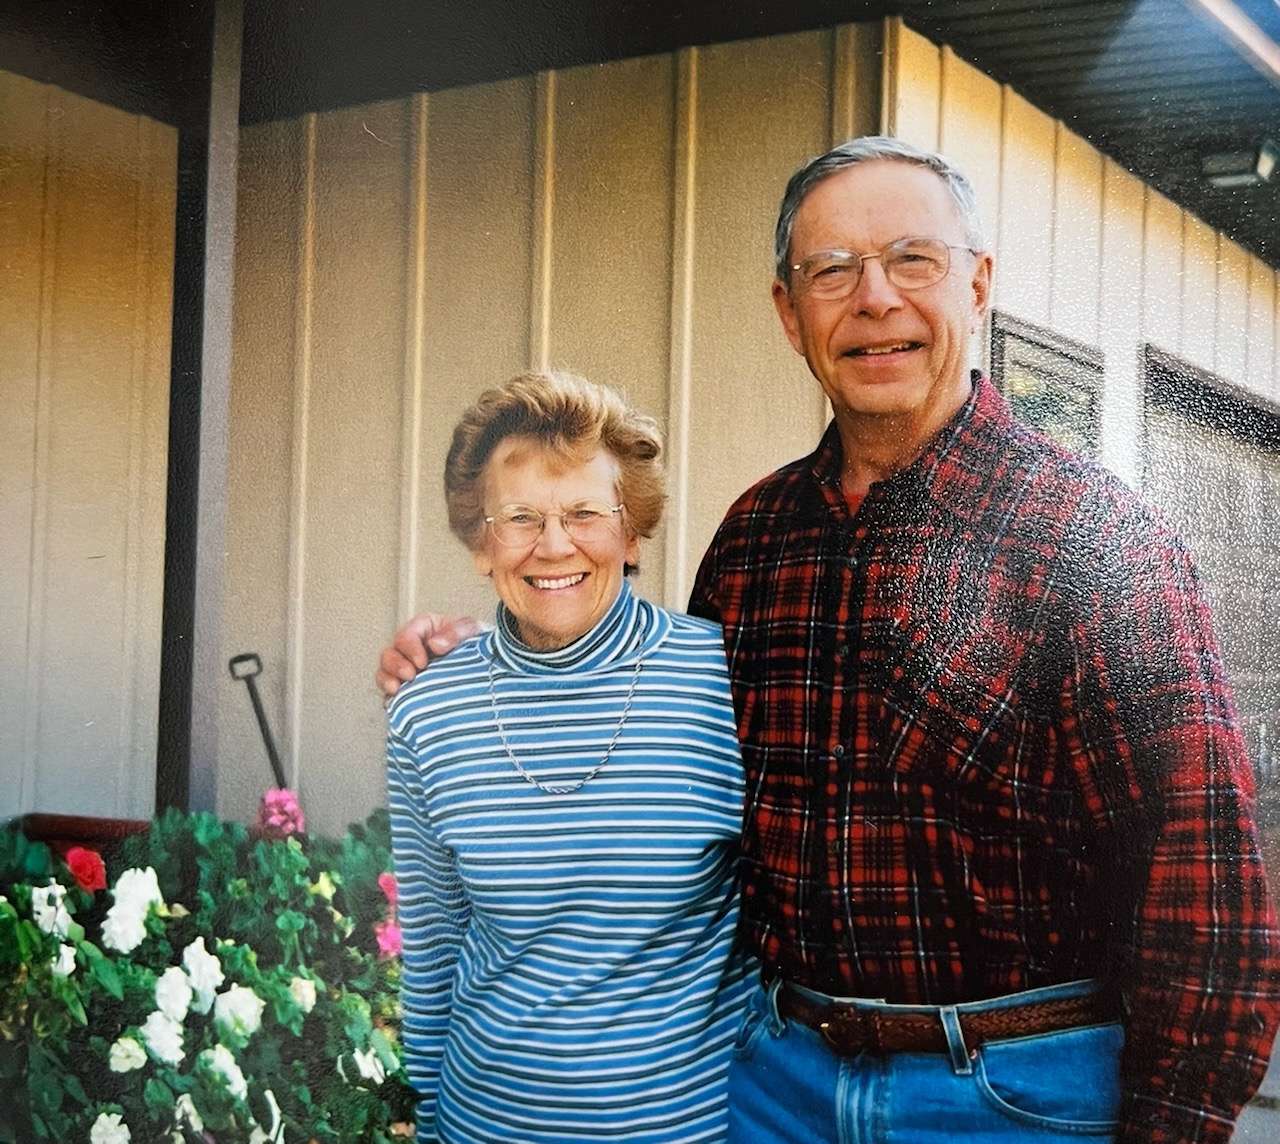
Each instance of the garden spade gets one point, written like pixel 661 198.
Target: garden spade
pixel 248 667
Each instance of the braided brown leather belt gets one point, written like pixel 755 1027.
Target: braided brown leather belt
pixel 850 1029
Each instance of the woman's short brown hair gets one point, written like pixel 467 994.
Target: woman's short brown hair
pixel 570 416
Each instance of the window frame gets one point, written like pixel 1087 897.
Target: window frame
pixel 1042 348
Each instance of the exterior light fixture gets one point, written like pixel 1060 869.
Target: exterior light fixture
pixel 1241 168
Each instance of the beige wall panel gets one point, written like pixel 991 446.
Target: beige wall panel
pixel 1161 272
pixel 1026 209
pixel 260 446
pixel 1077 238
pixel 1199 287
pixel 969 134
pixel 754 405
pixel 1120 329
pixel 1260 347
pixel 352 438
pixel 914 89
pixel 23 143
pixel 479 158
pixel 96 366
pixel 1232 317
pixel 610 299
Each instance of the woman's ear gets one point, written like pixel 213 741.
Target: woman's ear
pixel 483 565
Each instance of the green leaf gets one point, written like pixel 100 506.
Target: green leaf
pixel 104 971
pixel 75 1089
pixel 158 1099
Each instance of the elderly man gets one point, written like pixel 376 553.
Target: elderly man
pixel 999 859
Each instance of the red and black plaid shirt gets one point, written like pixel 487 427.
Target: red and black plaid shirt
pixel 989 746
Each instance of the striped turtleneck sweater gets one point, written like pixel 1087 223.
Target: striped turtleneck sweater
pixel 568 964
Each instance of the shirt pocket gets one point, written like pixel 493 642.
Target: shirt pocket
pixel 948 696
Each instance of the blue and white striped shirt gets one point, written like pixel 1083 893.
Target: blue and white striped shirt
pixel 568 965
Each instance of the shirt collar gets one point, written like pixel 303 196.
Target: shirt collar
pixel 950 472
pixel 629 629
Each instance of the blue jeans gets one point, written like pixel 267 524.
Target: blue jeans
pixel 785 1084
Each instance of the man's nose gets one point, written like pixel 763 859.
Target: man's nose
pixel 875 296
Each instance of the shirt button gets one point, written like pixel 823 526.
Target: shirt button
pixel 843 651
pixel 838 751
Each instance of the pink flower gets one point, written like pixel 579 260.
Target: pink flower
pixel 390 939
pixel 387 883
pixel 280 813
pixel 87 868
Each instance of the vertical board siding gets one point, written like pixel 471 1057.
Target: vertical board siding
pixel 915 93
pixel 1199 288
pixel 1026 210
pixel 1077 238
pixel 1260 337
pixel 1232 304
pixel 1161 271
pixel 1120 334
pixel 260 451
pixel 86 217
pixel 615 220
pixel 350 582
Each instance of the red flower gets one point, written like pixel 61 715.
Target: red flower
pixel 387 883
pixel 87 868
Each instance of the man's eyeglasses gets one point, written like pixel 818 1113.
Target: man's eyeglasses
pixel 909 263
pixel 519 526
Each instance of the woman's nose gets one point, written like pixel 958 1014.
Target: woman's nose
pixel 555 537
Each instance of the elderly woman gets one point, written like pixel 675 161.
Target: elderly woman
pixel 566 794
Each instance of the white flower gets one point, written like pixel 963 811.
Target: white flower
pixel 135 893
pixel 369 1066
pixel 274 1134
pixel 137 890
pixel 185 1112
pixel 303 991
pixel 219 1060
pixel 173 993
pixel 164 1038
pixel 122 930
pixel 65 962
pixel 48 911
pixel 238 1011
pixel 109 1129
pixel 126 1055
pixel 205 972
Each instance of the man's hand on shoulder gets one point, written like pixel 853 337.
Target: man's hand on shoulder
pixel 422 639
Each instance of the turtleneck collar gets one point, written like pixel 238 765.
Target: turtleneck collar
pixel 630 629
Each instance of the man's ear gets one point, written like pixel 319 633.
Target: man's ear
pixel 983 272
pixel 787 314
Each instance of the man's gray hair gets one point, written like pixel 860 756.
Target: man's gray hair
pixel 864 150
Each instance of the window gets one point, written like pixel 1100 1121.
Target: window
pixel 1051 382
pixel 1212 465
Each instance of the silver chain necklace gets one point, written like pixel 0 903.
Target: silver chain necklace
pixel 562 788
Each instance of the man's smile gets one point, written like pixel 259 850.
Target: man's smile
pixel 882 348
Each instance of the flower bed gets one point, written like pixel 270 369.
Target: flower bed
pixel 201 985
